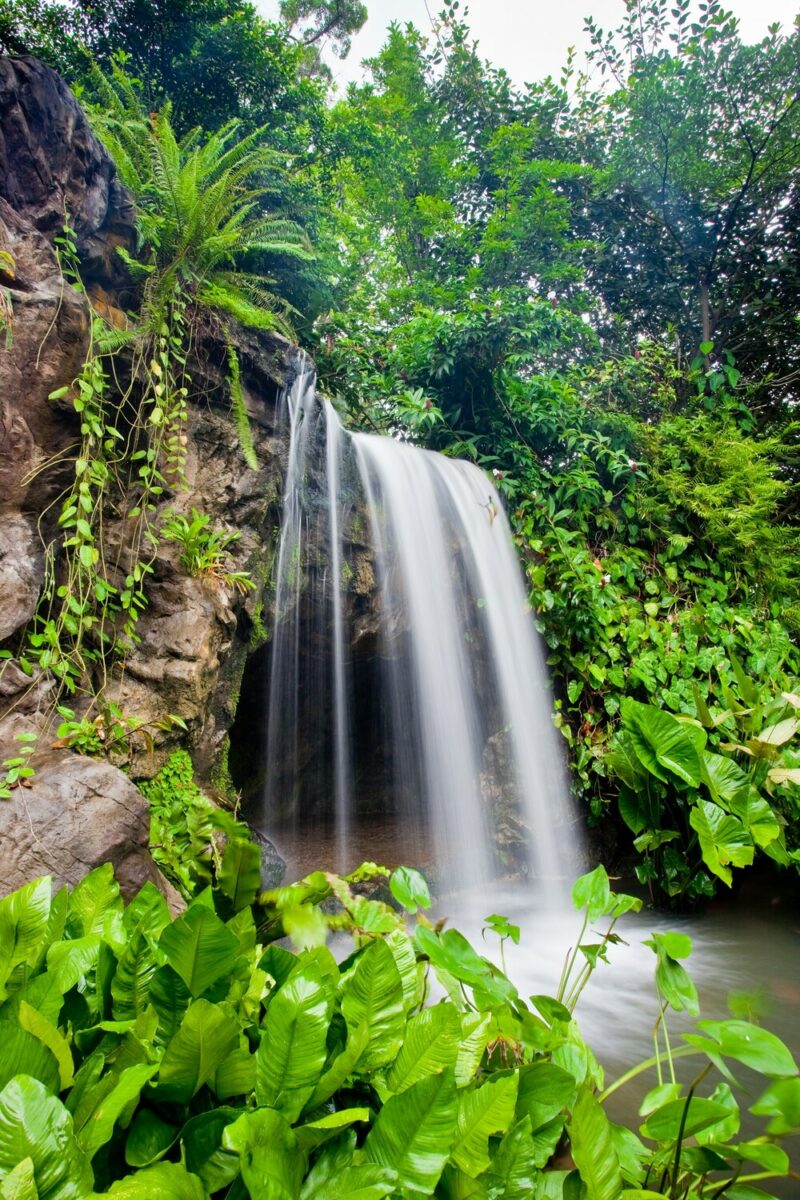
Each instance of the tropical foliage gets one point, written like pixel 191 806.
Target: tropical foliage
pixel 588 285
pixel 146 1056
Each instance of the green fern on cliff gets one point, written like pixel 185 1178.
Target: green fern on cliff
pixel 202 206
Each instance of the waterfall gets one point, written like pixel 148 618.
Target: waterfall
pixel 448 706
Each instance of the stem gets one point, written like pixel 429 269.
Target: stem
pixel 645 1065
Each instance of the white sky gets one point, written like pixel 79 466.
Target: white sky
pixel 528 37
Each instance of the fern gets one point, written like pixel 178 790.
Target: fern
pixel 240 417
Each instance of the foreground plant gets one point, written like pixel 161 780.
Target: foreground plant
pixel 153 1058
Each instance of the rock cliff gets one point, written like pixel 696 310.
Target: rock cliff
pixel 195 634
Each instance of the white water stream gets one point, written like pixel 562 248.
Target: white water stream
pixel 460 693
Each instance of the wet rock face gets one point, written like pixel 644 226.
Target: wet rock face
pixel 51 164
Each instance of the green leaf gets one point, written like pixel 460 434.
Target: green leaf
pixel 414 1133
pixel 664 745
pixel 723 777
pixel 98 1124
pixel 164 1181
pixel 475 1033
pixel 25 1054
pixel 149 1138
pixel 593 892
pixel 207 1035
pixel 35 1023
pixel 365 1182
pixel 205 1155
pixel 672 979
pixel 756 815
pixel 429 1046
pixel 36 1125
pixel 723 839
pixel 545 1090
pixel 316 1133
pixel 293 1046
pixel 749 1044
pixel 20 1184
pixel 482 1111
pixel 272 1163
pixel 23 929
pixel 592 1145
pixel 372 996
pixel 341 1068
pixel 410 889
pixel 95 906
pixel 130 987
pixel 240 873
pixel 200 948
pixel 512 1171
pixel 781 1102
pixel 664 1124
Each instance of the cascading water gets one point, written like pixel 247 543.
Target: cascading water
pixel 457 699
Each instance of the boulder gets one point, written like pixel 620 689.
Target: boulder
pixel 76 814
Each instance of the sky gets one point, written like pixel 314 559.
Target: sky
pixel 528 37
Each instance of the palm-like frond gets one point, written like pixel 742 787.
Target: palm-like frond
pixel 201 203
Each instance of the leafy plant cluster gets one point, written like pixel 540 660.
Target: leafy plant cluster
pixel 193 840
pixel 700 803
pixel 543 289
pixel 149 1057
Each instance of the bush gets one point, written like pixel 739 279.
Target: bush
pixel 152 1058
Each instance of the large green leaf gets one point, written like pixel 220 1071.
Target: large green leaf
pixel 544 1091
pixel 206 1036
pixel 205 1154
pixel 95 906
pixel 170 998
pixel 130 987
pixel 749 1044
pixel 723 839
pixel 365 1182
pixel 20 1184
pixel 512 1172
pixel 200 948
pixel 149 1138
pixel 323 1129
pixel 24 929
pixel 24 1054
pixel 723 776
pixel 240 873
pixel 293 1044
pixel 36 1125
pixel 164 1181
pixel 372 996
pixel 147 909
pixel 272 1163
pixel 451 952
pixel 592 1145
pixel 334 1177
pixel 482 1111
pixel 475 1033
pixel 98 1124
pixel 693 1116
pixel 756 815
pixel 49 1035
pixel 414 1133
pixel 430 1045
pixel 341 1068
pixel 672 979
pixel 664 745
